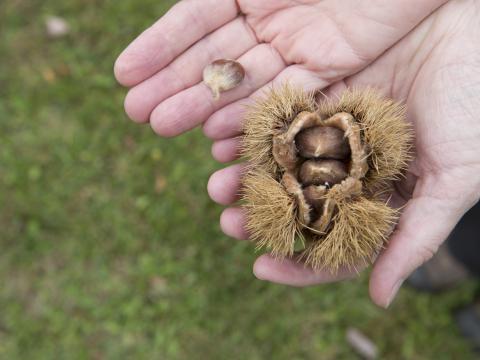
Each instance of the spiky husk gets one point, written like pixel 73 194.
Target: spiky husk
pixel 361 228
pixel 361 224
pixel 271 213
pixel 384 129
pixel 266 117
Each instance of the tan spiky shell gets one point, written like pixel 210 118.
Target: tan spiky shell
pixel 361 221
pixel 272 213
pixel 384 129
pixel 269 116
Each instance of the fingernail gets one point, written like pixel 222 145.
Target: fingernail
pixel 394 292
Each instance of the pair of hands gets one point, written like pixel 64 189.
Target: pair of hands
pixel 423 53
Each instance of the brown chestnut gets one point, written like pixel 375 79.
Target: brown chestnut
pixel 223 75
pixel 322 141
pixel 322 172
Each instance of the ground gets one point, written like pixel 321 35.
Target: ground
pixel 109 245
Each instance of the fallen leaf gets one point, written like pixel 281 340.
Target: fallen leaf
pixel 49 75
pixel 160 183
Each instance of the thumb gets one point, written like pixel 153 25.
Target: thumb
pixel 426 221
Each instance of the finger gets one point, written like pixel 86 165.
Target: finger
pixel 335 89
pixel 340 48
pixel 224 185
pixel 193 106
pixel 232 222
pixel 228 121
pixel 228 42
pixel 294 273
pixel 183 25
pixel 226 150
pixel 425 223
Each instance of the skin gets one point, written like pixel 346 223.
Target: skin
pixel 423 53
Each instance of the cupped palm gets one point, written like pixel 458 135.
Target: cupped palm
pixel 421 53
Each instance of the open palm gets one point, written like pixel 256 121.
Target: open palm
pixel 329 45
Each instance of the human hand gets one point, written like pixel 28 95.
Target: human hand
pixel 333 41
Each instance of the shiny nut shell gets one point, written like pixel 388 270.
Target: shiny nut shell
pixel 322 141
pixel 321 172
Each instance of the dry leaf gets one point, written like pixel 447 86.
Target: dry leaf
pixel 160 183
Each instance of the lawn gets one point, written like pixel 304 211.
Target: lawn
pixel 109 245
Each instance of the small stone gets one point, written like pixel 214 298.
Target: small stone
pixel 361 344
pixel 56 27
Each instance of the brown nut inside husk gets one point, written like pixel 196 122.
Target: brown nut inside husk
pixel 322 172
pixel 340 135
pixel 223 75
pixel 322 142
pixel 331 165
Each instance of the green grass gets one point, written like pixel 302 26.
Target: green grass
pixel 109 245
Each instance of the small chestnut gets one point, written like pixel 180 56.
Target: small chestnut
pixel 223 75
